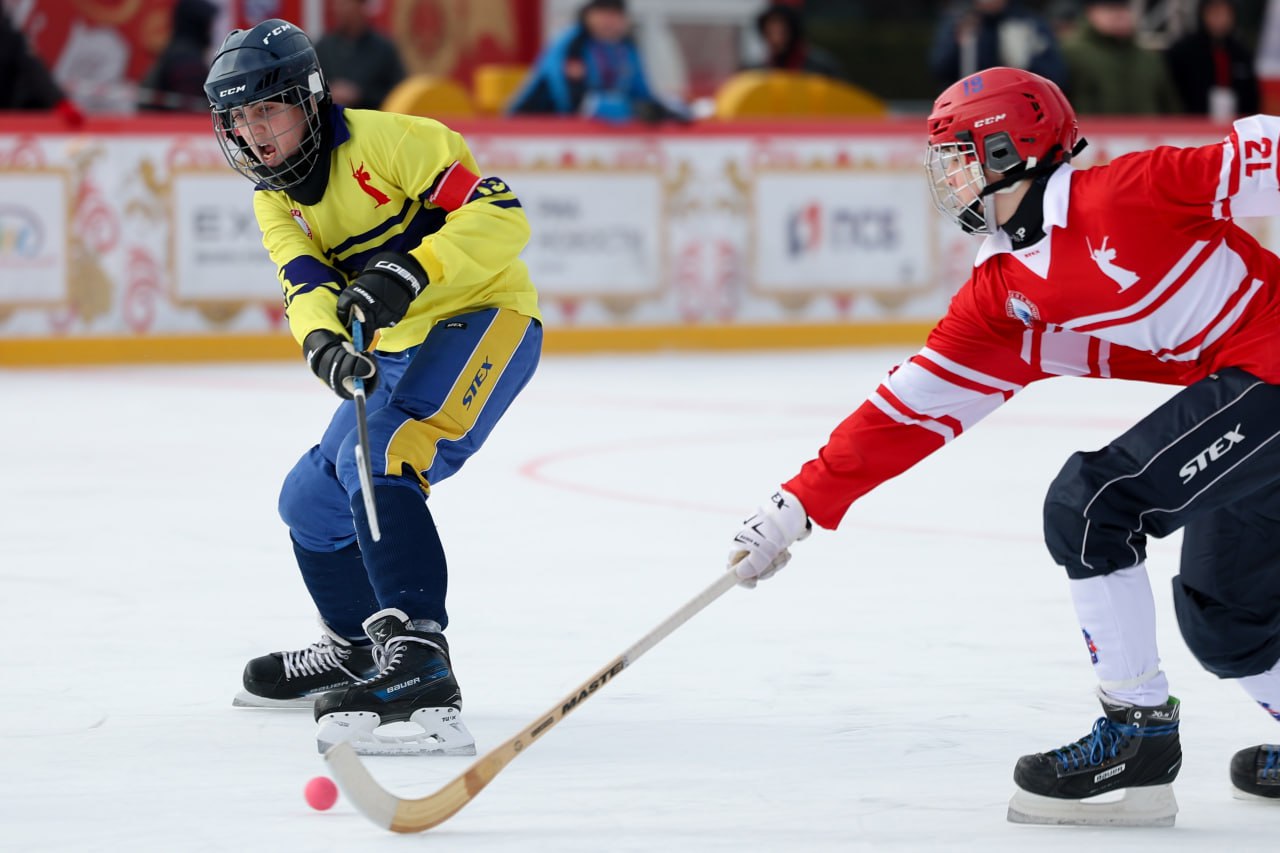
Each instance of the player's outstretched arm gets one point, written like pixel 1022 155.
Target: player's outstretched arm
pixel 760 548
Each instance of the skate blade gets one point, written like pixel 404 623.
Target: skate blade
pixel 439 731
pixel 245 699
pixel 1248 797
pixel 1153 805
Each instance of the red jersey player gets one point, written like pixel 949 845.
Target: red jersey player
pixel 1134 270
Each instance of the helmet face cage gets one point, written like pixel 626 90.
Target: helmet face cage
pixel 269 101
pixel 956 181
pixel 287 122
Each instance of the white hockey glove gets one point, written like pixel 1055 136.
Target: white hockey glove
pixel 760 548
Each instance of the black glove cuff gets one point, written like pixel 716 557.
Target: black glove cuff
pixel 317 342
pixel 401 268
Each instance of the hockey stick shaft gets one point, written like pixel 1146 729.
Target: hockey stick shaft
pixel 415 815
pixel 363 462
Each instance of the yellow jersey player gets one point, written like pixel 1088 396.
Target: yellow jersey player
pixel 381 219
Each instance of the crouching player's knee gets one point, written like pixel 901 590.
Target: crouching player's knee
pixel 1228 641
pixel 1076 542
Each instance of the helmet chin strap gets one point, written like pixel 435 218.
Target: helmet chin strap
pixel 972 219
pixel 1005 186
pixel 1011 180
pixel 1032 168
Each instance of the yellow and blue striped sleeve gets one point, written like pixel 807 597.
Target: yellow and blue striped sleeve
pixel 310 284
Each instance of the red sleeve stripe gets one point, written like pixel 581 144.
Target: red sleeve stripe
pixel 1100 357
pixel 454 188
pixel 1217 327
pixel 883 400
pixel 1229 180
pixel 992 383
pixel 1234 164
pixel 951 422
pixel 1057 352
pixel 1065 353
pixel 956 379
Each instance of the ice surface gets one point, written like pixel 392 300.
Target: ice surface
pixel 874 696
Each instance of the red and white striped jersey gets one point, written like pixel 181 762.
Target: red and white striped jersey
pixel 1142 274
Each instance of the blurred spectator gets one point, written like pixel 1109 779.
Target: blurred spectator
pixel 1064 18
pixel 593 69
pixel 1109 73
pixel 1211 68
pixel 788 48
pixel 361 65
pixel 978 34
pixel 25 82
pixel 176 81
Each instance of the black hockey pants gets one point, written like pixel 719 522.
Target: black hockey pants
pixel 1208 461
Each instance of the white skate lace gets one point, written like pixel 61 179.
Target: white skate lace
pixel 319 657
pixel 387 657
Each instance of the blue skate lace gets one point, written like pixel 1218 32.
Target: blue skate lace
pixel 1105 742
pixel 1271 770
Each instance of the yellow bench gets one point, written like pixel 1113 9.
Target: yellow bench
pixel 792 94
pixel 429 95
pixel 494 85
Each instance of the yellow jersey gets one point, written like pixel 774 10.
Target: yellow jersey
pixel 403 184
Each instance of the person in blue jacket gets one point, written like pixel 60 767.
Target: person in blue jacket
pixel 593 69
pixel 979 34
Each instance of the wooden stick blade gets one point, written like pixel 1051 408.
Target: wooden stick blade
pixel 359 786
pixel 388 811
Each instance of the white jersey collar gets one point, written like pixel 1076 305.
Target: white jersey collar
pixel 1057 193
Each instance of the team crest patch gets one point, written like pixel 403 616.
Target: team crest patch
pixel 1093 649
pixel 302 223
pixel 1022 309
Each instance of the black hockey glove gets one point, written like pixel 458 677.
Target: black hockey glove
pixel 337 363
pixel 383 291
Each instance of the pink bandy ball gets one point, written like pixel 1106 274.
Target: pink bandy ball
pixel 321 793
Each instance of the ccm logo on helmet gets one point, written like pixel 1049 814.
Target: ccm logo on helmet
pixel 983 122
pixel 233 91
pixel 277 31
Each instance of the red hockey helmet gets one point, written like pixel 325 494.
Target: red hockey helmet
pixel 1005 121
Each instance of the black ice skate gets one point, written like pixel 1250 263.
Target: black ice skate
pixel 415 685
pixel 1132 750
pixel 294 679
pixel 1255 772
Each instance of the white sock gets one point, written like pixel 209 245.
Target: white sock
pixel 1265 690
pixel 1118 616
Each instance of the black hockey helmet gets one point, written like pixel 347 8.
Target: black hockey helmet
pixel 270 67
